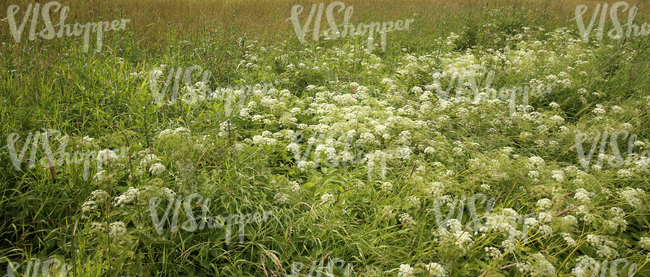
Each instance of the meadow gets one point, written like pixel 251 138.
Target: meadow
pixel 223 138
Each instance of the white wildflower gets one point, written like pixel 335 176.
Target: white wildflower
pixel 435 270
pixel 157 168
pixel 583 196
pixel 117 229
pixel 544 204
pixel 644 242
pixel 127 198
pixel 387 187
pixel 405 270
pixel 630 195
pixel 406 219
pixel 569 241
pixel 281 198
pixel 327 199
pixel 96 197
pixel 413 201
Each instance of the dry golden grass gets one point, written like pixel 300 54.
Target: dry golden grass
pixel 156 22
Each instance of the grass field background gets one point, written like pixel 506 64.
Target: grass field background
pixel 243 155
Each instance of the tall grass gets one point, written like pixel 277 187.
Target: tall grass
pixel 53 84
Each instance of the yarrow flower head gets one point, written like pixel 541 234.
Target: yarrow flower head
pixel 106 154
pixel 281 198
pixel 584 266
pixel 96 197
pixel 149 159
pixel 435 270
pixel 583 196
pixel 493 252
pixel 536 162
pixel 644 242
pixel 117 229
pixel 97 227
pixel 541 266
pixel 631 196
pixel 599 110
pixel 558 175
pixel 405 270
pixel 406 219
pixel 544 204
pixel 295 187
pixel 127 198
pixel 157 168
pixel 567 238
pixel 413 201
pixel 327 199
pixel 387 187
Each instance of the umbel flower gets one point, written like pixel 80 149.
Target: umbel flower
pixel 96 197
pixel 126 198
pixel 405 270
pixel 157 169
pixel 435 270
pixel 117 229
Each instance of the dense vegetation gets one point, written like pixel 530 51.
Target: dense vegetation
pixel 455 152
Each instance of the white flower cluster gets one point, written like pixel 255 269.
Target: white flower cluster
pixel 226 128
pixel 173 132
pixel 157 169
pixel 96 197
pixel 413 201
pixel 265 139
pixel 436 270
pixel 295 187
pixel 153 191
pixel 584 266
pixel 536 162
pixel 117 229
pixel 130 196
pixel 544 204
pixel 644 242
pixel 583 196
pixel 327 199
pixel 604 248
pixel 405 270
pixel 505 223
pixel 632 196
pixel 493 252
pixel 541 266
pixel 281 198
pixel 97 227
pixel 407 219
pixel 387 187
pixel 152 161
pixel 569 240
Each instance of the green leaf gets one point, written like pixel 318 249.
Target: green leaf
pixel 308 185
